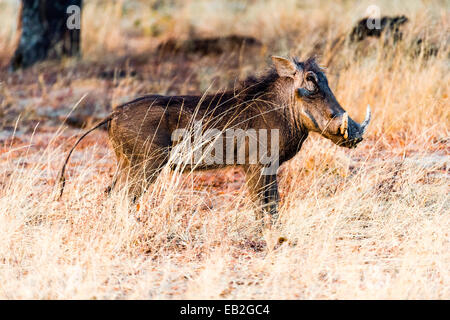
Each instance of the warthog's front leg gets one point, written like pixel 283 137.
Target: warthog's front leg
pixel 271 195
pixel 264 191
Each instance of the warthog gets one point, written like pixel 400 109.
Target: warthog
pixel 368 27
pixel 292 99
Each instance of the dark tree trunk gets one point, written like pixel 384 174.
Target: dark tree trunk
pixel 45 33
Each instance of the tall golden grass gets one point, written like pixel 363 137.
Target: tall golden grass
pixel 366 223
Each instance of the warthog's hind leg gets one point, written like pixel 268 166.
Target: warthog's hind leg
pixel 119 171
pixel 143 172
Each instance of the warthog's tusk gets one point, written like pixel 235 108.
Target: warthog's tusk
pixel 366 120
pixel 344 125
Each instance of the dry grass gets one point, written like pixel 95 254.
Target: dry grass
pixel 366 223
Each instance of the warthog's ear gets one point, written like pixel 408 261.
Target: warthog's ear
pixel 284 67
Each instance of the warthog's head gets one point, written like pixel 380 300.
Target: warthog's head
pixel 317 106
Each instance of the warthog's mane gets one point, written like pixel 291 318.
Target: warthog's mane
pixel 309 64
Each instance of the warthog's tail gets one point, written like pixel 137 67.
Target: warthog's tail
pixel 62 179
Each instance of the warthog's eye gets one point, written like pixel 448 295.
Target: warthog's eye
pixel 311 84
pixel 310 78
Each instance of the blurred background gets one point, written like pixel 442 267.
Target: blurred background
pixel 370 222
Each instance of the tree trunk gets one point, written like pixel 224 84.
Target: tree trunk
pixel 46 32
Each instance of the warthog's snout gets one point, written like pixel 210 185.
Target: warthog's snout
pixel 351 131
